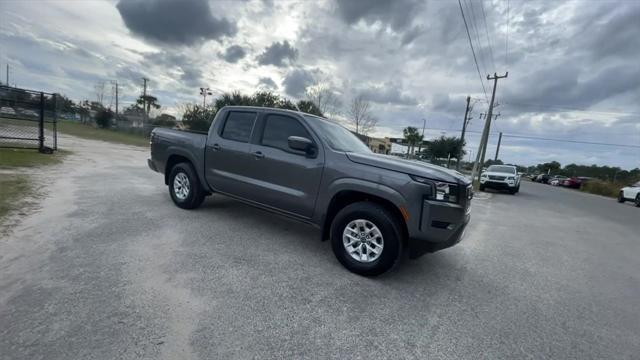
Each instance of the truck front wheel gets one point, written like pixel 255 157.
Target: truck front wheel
pixel 184 186
pixel 366 238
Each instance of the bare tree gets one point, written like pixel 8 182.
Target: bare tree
pixel 359 114
pixel 99 89
pixel 324 98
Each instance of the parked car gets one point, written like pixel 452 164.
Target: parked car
pixel 7 110
pixel 29 113
pixel 543 178
pixel 557 180
pixel 630 193
pixel 500 177
pixel 572 182
pixel 370 206
pixel 575 182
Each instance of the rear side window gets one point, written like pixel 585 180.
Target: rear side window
pixel 278 128
pixel 238 126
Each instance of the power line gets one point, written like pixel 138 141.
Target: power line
pixel 506 44
pixel 486 29
pixel 474 26
pixel 572 141
pixel 473 51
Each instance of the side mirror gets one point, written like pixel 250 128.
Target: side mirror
pixel 301 144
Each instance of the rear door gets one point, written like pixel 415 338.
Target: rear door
pixel 227 153
pixel 284 178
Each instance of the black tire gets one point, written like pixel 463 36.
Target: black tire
pixel 481 187
pixel 637 200
pixel 390 229
pixel 512 191
pixel 518 189
pixel 621 198
pixel 195 194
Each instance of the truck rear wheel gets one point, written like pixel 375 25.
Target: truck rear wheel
pixel 366 238
pixel 184 186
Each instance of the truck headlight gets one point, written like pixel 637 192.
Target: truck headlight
pixel 510 178
pixel 441 191
pixel 483 175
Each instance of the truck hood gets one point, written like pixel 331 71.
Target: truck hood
pixel 411 167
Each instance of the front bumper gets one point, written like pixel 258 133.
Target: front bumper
pixel 441 225
pixel 151 165
pixel 498 184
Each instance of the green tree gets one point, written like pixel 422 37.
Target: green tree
pixel 165 120
pixel 309 107
pixel 411 137
pixel 103 118
pixel 233 99
pixel 493 162
pixel 149 101
pixel 196 117
pixel 445 147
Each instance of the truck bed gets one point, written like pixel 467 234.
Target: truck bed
pixel 187 144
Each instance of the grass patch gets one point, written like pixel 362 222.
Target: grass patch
pixel 13 190
pixel 10 158
pixel 89 132
pixel 604 188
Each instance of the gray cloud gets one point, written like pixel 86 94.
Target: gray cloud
pixel 174 22
pixel 397 14
pixel 268 83
pixel 389 93
pixel 278 54
pixel 233 54
pixel 296 82
pixel 191 76
pixel 573 86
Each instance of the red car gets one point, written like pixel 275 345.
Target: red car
pixel 575 182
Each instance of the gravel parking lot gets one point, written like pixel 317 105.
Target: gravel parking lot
pixel 109 268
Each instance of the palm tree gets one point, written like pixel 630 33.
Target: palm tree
pixel 411 137
pixel 149 101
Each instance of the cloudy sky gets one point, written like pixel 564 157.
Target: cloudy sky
pixel 574 67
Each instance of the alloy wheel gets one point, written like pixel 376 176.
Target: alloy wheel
pixel 181 186
pixel 363 240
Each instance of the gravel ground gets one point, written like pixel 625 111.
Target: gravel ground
pixel 106 267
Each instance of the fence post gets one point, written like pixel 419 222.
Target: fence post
pixel 55 121
pixel 41 126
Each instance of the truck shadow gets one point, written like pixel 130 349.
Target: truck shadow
pixel 302 240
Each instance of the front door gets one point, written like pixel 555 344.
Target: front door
pixel 285 179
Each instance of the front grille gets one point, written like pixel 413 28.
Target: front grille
pixel 495 177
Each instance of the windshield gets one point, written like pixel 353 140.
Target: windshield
pixel 336 136
pixel 501 169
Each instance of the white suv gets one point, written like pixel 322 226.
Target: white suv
pixel 630 193
pixel 501 177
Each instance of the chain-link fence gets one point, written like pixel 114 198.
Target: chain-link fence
pixel 28 119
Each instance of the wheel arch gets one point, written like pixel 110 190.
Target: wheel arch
pixel 172 161
pixel 345 197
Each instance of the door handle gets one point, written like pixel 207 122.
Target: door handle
pixel 258 155
pixel 216 147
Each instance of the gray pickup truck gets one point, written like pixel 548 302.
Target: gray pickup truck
pixel 371 207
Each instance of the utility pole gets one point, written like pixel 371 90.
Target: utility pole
pixel 7 75
pixel 464 129
pixel 424 124
pixel 484 148
pixel 487 126
pixel 204 92
pixel 115 83
pixel 144 98
pixel 498 148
